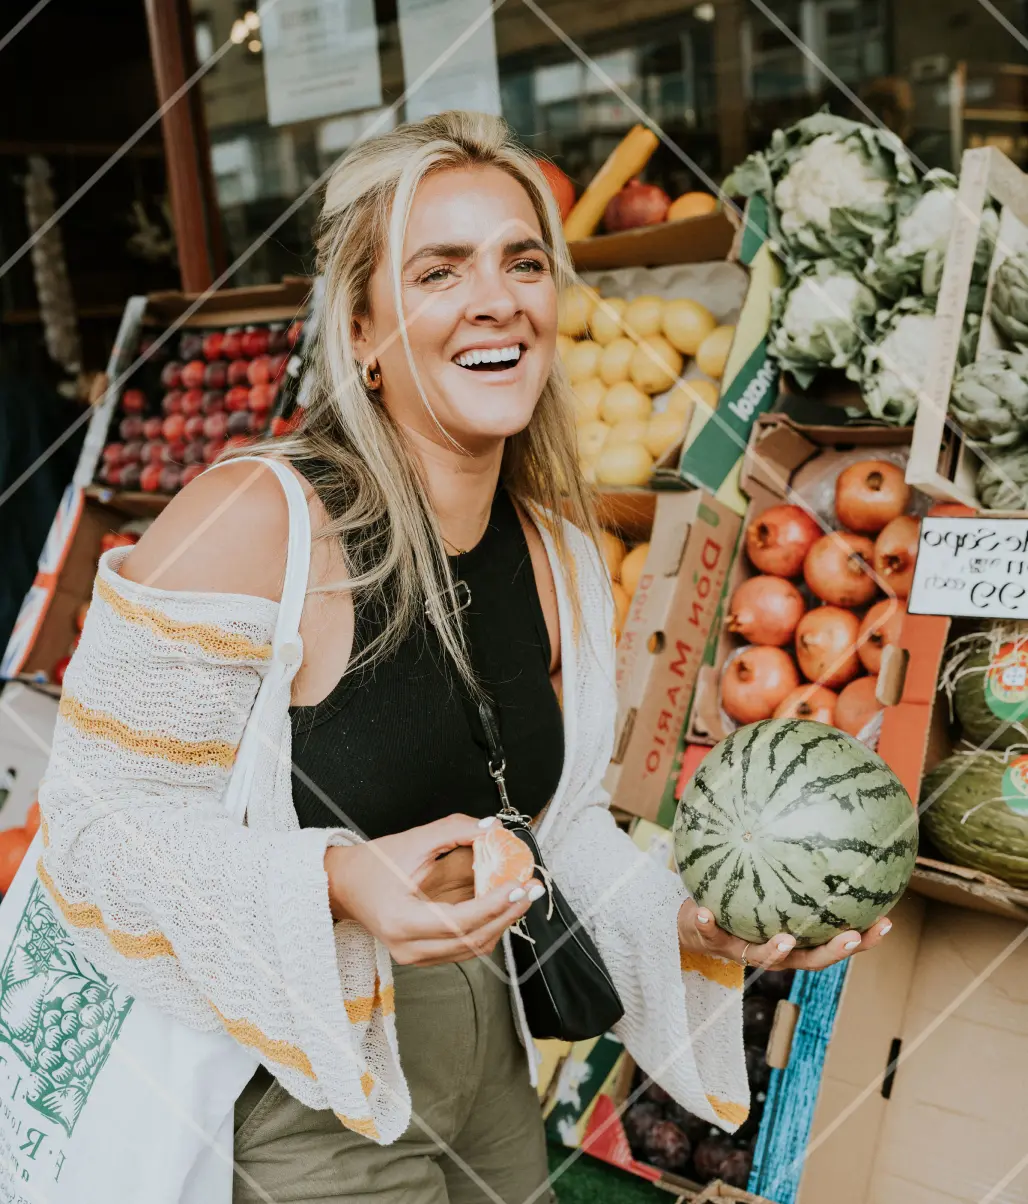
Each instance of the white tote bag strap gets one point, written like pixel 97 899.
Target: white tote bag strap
pixel 287 647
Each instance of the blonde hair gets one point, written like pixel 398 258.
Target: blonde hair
pixel 356 457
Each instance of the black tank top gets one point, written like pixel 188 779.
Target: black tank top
pixel 392 746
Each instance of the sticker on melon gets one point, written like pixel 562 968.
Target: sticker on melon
pixel 1015 786
pixel 1006 682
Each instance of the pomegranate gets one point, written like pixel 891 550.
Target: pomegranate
pixel 881 626
pixel 870 494
pixel 765 610
pixel 857 705
pixel 637 204
pixel 778 540
pixel 808 702
pixel 895 553
pixel 950 510
pixel 826 640
pixel 836 569
pixel 756 682
pixel 561 187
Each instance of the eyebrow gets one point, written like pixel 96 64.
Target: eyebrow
pixel 465 250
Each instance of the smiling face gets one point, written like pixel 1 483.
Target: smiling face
pixel 480 307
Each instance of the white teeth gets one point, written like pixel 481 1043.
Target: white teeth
pixel 493 355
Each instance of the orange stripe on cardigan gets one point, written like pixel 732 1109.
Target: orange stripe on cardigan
pixel 214 640
pixel 733 1114
pixel 103 726
pixel 715 969
pixel 365 1127
pixel 88 915
pixel 285 1053
pixel 361 1009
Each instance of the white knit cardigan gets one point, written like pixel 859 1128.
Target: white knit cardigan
pixel 220 924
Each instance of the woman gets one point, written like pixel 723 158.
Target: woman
pixel 330 934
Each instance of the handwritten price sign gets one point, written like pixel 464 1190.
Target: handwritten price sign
pixel 975 567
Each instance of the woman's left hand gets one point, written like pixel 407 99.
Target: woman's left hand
pixel 697 933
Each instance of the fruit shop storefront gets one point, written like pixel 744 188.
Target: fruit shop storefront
pixel 778 403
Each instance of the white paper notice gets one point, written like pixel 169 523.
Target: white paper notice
pixel 972 566
pixel 462 34
pixel 320 58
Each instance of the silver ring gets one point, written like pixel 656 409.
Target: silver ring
pixel 743 956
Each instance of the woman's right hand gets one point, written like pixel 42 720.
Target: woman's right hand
pixel 379 883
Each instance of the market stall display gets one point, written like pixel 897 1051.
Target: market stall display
pixel 190 398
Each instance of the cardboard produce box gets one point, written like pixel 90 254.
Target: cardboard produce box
pixel 784 456
pixel 668 621
pixel 943 463
pixel 921 1097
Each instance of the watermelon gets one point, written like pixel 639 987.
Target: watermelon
pixel 986 679
pixel 975 810
pixel 793 826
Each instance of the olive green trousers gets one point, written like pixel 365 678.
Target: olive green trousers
pixel 480 1136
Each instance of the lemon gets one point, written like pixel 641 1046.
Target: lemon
pixel 583 360
pixel 712 353
pixel 613 552
pixel 663 431
pixel 629 430
pixel 686 323
pixel 605 319
pixel 643 316
pixel 588 395
pixel 624 464
pixel 632 568
pixel 574 305
pixel 617 355
pixel 655 365
pixel 591 438
pixel 623 401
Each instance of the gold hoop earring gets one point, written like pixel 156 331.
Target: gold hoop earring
pixel 371 374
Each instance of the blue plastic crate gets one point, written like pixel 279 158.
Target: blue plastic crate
pixel 792 1093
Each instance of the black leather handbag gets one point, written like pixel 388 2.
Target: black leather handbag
pixel 565 987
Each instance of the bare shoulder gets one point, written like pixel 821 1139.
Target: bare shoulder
pixel 226 532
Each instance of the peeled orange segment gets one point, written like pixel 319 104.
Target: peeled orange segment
pixel 500 857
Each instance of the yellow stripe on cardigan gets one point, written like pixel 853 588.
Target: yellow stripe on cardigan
pixel 88 915
pixel 367 1083
pixel 361 1009
pixel 365 1127
pixel 715 969
pixel 733 1114
pixel 285 1053
pixel 214 640
pixel 103 726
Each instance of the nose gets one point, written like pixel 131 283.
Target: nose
pixel 491 300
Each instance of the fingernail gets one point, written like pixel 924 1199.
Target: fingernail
pixel 784 946
pixel 886 927
pixel 702 919
pixel 536 892
pixel 487 822
pixel 516 894
pixel 851 944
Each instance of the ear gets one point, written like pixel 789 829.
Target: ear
pixel 363 335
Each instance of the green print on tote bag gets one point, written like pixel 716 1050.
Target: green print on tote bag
pixel 104 1097
pixel 58 1015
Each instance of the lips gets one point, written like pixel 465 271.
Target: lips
pixel 490 359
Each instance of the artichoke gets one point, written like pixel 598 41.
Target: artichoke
pixel 1009 309
pixel 831 185
pixel 897 361
pixel 990 398
pixel 821 320
pixel 1002 482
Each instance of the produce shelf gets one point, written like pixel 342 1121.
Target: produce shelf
pixel 135 505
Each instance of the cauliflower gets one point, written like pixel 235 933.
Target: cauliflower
pixel 821 320
pixel 831 185
pixel 830 175
pixel 897 362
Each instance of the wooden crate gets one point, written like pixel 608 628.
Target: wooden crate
pixel 942 462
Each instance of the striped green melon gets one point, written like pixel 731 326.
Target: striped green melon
pixel 975 810
pixel 793 826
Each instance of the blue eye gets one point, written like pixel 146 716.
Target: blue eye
pixel 435 275
pixel 530 265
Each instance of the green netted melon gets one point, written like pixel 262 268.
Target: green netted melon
pixel 975 810
pixel 793 826
pixel 987 674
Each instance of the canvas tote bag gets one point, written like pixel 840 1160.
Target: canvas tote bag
pixel 104 1099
